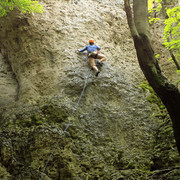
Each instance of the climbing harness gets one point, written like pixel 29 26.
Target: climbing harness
pixel 74 109
pixel 93 54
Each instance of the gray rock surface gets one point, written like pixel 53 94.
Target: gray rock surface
pixel 112 129
pixel 8 83
pixel 41 48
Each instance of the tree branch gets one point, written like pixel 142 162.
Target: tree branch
pixel 174 59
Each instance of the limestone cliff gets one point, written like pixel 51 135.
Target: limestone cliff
pixel 112 132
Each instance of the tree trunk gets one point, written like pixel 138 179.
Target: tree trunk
pixel 168 93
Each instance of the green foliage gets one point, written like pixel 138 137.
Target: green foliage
pixel 152 98
pixel 172 29
pixel 172 25
pixel 23 5
pixel 151 20
pixel 151 7
pixel 153 10
pixel 157 56
pixel 164 152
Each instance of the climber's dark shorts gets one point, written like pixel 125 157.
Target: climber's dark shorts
pixel 93 54
pixel 92 59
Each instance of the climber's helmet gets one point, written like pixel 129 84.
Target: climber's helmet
pixel 91 41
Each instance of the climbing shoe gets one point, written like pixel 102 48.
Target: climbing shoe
pixel 97 73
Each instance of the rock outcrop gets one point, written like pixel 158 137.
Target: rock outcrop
pixel 112 131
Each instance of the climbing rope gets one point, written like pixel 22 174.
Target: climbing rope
pixel 74 109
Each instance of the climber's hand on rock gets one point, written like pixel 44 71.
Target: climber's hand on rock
pixel 78 51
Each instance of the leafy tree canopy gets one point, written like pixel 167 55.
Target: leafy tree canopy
pixel 23 5
pixel 172 24
pixel 154 6
pixel 172 29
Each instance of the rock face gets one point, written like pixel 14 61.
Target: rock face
pixel 9 85
pixel 41 48
pixel 42 79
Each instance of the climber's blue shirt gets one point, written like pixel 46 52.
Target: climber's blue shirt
pixel 90 48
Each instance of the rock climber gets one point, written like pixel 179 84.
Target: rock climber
pixel 93 54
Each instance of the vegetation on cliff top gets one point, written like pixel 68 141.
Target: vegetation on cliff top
pixel 22 5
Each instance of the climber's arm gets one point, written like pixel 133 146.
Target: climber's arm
pixel 98 48
pixel 81 50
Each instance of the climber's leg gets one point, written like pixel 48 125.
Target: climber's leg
pixel 93 64
pixel 101 57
